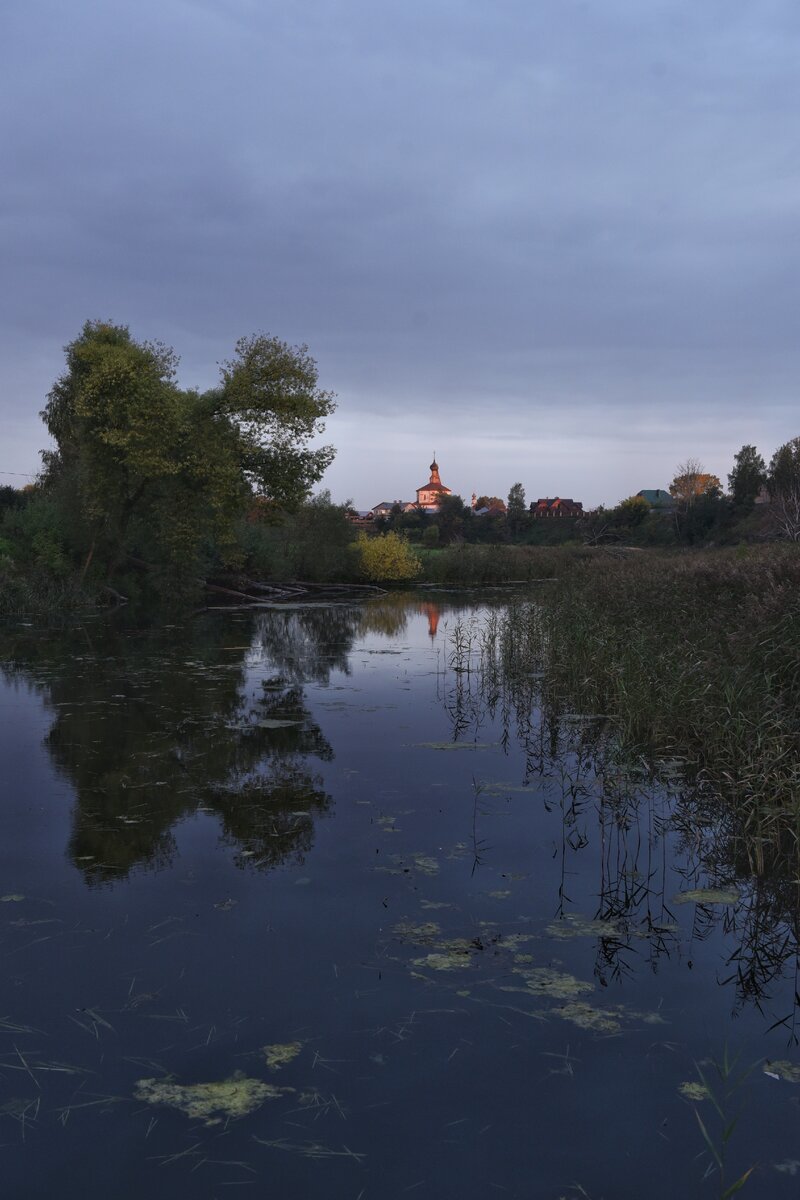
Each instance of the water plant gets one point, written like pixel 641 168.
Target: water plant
pixel 721 1092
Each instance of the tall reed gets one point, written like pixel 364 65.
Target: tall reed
pixel 696 654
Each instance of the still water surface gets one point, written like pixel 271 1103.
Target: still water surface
pixel 291 908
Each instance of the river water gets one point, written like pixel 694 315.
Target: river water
pixel 290 907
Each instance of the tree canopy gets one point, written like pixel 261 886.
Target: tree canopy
pixel 151 468
pixel 747 477
pixel 783 481
pixel 516 511
pixel 692 482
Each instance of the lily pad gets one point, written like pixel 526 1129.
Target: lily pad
pixel 210 1102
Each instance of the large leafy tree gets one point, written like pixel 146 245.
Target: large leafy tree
pixel 698 501
pixel 692 482
pixel 748 476
pixel 149 466
pixel 270 394
pixel 783 482
pixel 516 511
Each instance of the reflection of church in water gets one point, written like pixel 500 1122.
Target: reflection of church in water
pixel 432 612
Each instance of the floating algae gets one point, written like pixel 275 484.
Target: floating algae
pixel 500 894
pixel 515 940
pixel 451 960
pixel 694 1091
pixel 545 981
pixel 459 850
pixel 455 955
pixel 491 788
pixel 782 1069
pixel 210 1102
pixel 598 1020
pixel 418 935
pixel 425 864
pixel 280 1053
pixel 454 745
pixel 707 896
pixel 574 925
pixel 649 1018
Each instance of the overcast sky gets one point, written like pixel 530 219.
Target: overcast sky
pixel 557 242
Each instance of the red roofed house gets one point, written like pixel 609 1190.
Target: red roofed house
pixel 557 507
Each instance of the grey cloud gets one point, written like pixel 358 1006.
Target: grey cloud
pixel 457 205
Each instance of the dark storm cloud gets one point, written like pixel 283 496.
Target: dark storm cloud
pixel 455 204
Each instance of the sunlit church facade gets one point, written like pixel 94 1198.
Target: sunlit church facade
pixel 428 496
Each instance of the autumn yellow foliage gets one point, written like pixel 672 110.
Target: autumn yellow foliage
pixel 387 558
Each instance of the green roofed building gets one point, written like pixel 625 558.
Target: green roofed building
pixel 656 497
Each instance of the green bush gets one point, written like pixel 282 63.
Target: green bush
pixel 387 558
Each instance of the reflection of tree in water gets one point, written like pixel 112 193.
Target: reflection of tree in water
pixel 625 805
pixel 765 924
pixel 152 728
pixel 308 642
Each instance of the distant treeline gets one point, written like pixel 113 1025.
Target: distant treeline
pixel 152 490
pixel 762 503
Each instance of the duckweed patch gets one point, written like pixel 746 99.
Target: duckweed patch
pixel 454 745
pixel 279 1054
pixel 708 896
pixel 782 1069
pixel 696 1092
pixel 425 864
pixel 546 981
pixel 418 935
pixel 585 1016
pixel 455 955
pixel 453 960
pixel 212 1103
pixel 573 925
pixel 490 788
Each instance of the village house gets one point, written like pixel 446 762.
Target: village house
pixel 657 498
pixel 558 506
